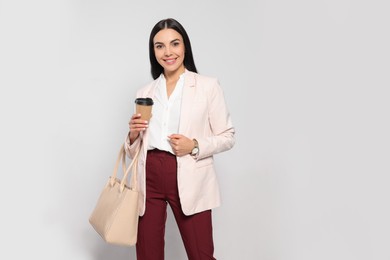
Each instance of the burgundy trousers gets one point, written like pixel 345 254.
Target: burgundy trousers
pixel 161 189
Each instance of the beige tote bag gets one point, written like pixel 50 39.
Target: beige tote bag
pixel 115 216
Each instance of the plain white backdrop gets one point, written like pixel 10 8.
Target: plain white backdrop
pixel 307 84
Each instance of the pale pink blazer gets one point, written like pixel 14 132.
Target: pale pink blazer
pixel 204 116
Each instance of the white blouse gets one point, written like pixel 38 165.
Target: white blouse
pixel 165 115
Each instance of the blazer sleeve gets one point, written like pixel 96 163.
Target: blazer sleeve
pixel 131 149
pixel 219 120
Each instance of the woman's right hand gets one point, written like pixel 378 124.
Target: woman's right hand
pixel 136 125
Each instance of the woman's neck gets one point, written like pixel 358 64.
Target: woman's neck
pixel 174 75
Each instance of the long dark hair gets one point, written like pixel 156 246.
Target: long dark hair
pixel 170 23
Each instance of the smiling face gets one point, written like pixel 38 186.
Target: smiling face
pixel 169 51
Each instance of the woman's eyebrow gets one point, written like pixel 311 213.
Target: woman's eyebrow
pixel 163 43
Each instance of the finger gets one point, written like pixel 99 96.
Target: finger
pixel 175 136
pixel 138 124
pixel 138 121
pixel 137 127
pixel 134 116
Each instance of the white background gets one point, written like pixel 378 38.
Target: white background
pixel 307 84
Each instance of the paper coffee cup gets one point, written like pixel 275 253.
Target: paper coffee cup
pixel 144 106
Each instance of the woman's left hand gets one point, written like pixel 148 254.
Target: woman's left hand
pixel 181 145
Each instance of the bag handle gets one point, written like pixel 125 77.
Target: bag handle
pixel 133 164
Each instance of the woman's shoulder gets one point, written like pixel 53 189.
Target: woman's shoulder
pixel 146 88
pixel 204 79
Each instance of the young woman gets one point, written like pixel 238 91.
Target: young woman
pixel 190 124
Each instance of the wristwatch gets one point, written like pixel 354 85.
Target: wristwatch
pixel 195 150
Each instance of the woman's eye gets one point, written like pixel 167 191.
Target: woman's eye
pixel 176 44
pixel 158 46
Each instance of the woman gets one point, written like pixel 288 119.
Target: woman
pixel 190 124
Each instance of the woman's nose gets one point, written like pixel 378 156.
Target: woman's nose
pixel 167 51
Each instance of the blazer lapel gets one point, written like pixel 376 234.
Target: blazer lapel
pixel 187 101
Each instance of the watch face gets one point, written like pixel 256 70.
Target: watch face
pixel 195 151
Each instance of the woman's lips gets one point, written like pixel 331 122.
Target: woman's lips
pixel 170 61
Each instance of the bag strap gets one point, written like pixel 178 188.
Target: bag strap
pixel 133 164
pixel 113 175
